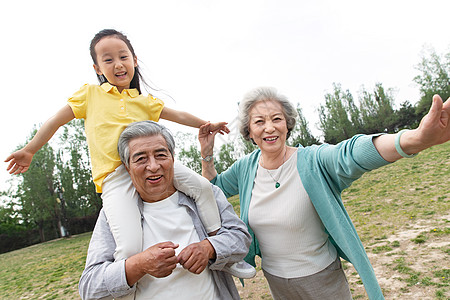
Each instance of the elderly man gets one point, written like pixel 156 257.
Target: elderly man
pixel 178 250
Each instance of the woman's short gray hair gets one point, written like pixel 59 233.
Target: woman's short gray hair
pixel 141 129
pixel 264 94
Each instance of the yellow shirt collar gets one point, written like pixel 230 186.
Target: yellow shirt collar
pixel 107 87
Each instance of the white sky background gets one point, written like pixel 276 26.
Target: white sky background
pixel 206 54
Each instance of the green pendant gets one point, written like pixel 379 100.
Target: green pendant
pixel 277 185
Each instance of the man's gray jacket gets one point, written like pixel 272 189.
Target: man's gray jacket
pixel 103 277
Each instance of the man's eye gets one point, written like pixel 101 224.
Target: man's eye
pixel 139 159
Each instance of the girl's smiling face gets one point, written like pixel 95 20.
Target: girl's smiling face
pixel 115 61
pixel 268 127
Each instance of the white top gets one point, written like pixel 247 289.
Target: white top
pixel 291 235
pixel 166 220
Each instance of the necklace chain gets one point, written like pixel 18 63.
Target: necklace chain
pixel 277 181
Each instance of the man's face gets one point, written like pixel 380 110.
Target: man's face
pixel 151 168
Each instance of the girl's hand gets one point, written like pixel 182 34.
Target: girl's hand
pixel 220 126
pixel 19 161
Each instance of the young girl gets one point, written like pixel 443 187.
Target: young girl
pixel 107 109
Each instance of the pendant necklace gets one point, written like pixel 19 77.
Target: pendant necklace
pixel 277 181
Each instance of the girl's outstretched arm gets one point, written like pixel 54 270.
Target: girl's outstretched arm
pixel 20 161
pixel 187 119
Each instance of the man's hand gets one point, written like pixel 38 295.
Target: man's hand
pixel 195 257
pixel 158 260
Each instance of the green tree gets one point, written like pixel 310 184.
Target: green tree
pixel 189 153
pixel 57 185
pixel 377 112
pixel 434 78
pixel 75 180
pixel 245 147
pixel 183 140
pixel 301 133
pixel 36 193
pixel 10 222
pixel 225 158
pixel 191 158
pixel 339 116
pixel 406 116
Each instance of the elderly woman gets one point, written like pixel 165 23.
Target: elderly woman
pixel 290 197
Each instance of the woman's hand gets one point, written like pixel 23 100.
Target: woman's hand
pixel 206 135
pixel 206 138
pixel 434 128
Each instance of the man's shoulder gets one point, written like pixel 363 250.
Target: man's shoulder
pixel 102 214
pixel 102 219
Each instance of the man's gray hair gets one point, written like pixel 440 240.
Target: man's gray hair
pixel 264 94
pixel 142 129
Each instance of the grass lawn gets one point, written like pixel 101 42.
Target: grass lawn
pixel 402 214
pixel 49 270
pixel 401 211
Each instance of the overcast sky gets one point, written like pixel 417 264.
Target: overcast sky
pixel 206 54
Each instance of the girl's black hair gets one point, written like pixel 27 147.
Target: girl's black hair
pixel 135 82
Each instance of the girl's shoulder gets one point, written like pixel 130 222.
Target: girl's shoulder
pixel 87 86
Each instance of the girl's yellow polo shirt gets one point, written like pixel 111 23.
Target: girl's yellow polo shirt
pixel 106 113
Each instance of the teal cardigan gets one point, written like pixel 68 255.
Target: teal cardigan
pixel 325 171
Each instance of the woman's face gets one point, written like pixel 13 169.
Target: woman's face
pixel 268 126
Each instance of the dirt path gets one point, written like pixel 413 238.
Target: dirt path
pixel 413 263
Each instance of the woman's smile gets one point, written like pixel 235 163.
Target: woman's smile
pixel 268 127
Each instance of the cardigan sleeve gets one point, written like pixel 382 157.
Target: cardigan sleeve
pixel 349 160
pixel 228 181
